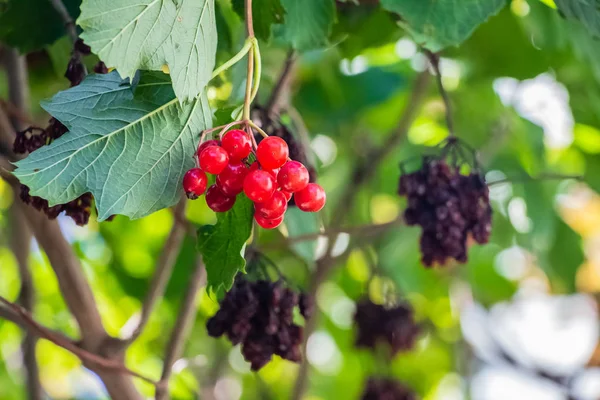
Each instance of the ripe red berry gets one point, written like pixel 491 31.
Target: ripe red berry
pixel 288 195
pixel 293 177
pixel 272 152
pixel 273 172
pixel 194 183
pixel 217 200
pixel 275 207
pixel 214 159
pixel 206 144
pixel 268 223
pixel 231 180
pixel 237 144
pixel 259 186
pixel 311 199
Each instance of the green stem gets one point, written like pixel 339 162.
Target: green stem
pixel 257 70
pixel 233 60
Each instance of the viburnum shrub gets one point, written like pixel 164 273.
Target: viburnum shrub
pixel 263 172
pixel 451 208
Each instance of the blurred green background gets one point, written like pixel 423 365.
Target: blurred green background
pixel 525 90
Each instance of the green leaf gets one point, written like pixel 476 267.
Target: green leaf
pixel 151 34
pixel 130 150
pixel 307 24
pixel 264 12
pixel 436 24
pixel 585 11
pixel 32 24
pixel 222 245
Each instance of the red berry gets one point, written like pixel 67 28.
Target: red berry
pixel 194 183
pixel 293 176
pixel 259 186
pixel 206 144
pixel 288 195
pixel 272 152
pixel 311 199
pixel 214 159
pixel 217 200
pixel 273 172
pixel 273 208
pixel 237 144
pixel 231 180
pixel 268 223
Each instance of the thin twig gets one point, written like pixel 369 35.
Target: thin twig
pixel 541 177
pixel 282 85
pixel 250 68
pixel 434 59
pixel 68 344
pixel 66 18
pixel 164 269
pixel 18 84
pixel 183 325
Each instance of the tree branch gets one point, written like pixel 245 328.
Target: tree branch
pixel 70 26
pixel 164 269
pixel 282 85
pixel 25 318
pixel 362 172
pixel 20 237
pixel 183 325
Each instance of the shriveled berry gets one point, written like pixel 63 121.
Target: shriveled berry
pixel 268 223
pixel 206 144
pixel 259 186
pixel 273 208
pixel 293 177
pixel 214 159
pixel 194 183
pixel 272 152
pixel 237 143
pixel 231 180
pixel 217 200
pixel 311 199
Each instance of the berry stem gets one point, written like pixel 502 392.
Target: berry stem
pixel 233 60
pixel 258 129
pixel 434 60
pixel 251 55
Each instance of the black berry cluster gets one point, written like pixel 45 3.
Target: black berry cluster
pixel 386 389
pixel 259 315
pixel 450 207
pixel 33 138
pixel 393 326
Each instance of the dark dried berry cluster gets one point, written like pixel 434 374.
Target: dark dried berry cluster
pixel 394 326
pixel 33 138
pixel 450 207
pixel 259 315
pixel 386 389
pixel 78 209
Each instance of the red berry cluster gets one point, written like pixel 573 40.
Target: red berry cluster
pixel 386 389
pixel 269 182
pixel 393 326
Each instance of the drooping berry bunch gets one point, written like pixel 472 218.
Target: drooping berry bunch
pixel 259 315
pixel 386 389
pixel 393 326
pixel 33 138
pixel 266 176
pixel 450 207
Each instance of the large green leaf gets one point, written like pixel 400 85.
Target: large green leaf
pixel 436 24
pixel 130 150
pixel 585 11
pixel 222 245
pixel 150 34
pixel 264 12
pixel 32 24
pixel 307 23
